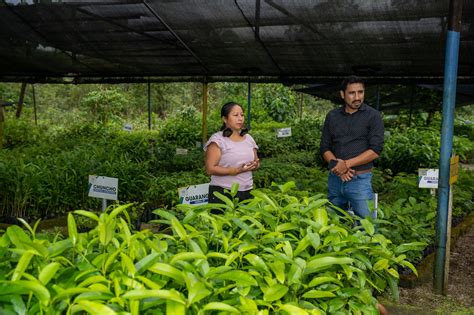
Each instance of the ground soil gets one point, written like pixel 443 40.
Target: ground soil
pixel 421 299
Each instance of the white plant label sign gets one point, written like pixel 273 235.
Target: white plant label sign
pixel 284 132
pixel 428 178
pixel 103 187
pixel 194 194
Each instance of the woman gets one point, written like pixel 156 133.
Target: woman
pixel 231 155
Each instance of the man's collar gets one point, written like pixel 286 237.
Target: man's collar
pixel 362 107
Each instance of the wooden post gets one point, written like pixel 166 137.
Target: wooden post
pixel 21 99
pixel 34 103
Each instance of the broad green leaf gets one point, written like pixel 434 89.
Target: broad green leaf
pixel 257 262
pixel 231 258
pixel 117 211
pixel 65 293
pixel 324 279
pixel 217 255
pixel 219 306
pixel 186 256
pixel 248 305
pixel 92 280
pixel 293 309
pixel 179 229
pixel 127 264
pixel 239 277
pixel 275 292
pixel 92 296
pixel 146 262
pixel 278 268
pixel 315 240
pixel 322 263
pixel 244 227
pixel 302 245
pixel 175 308
pixel 22 265
pixel 416 246
pixel 288 226
pixel 381 264
pixel 72 228
pixel 316 294
pixel 112 258
pixel 18 236
pixel 95 308
pixel 409 265
pixel 87 214
pixel 320 216
pixel 162 294
pixel 197 292
pixel 41 293
pixel 59 247
pixel 264 197
pixel 48 272
pixel 27 226
pixel 168 271
pixel 368 226
pixel 234 189
pixel 224 198
pixel 393 272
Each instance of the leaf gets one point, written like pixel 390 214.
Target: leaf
pixel 95 308
pixel 57 248
pixel 218 306
pixel 278 268
pixel 22 265
pixel 48 272
pixel 127 264
pixel 72 228
pixel 18 236
pixel 320 280
pixel 41 293
pixel 322 263
pixel 244 227
pixel 264 197
pixel 168 271
pixel 239 277
pixel 409 265
pixel 368 226
pixel 225 199
pixel 381 264
pixel 87 214
pixel 117 211
pixel 316 294
pixel 302 245
pixel 179 229
pixel 248 305
pixel 162 294
pixel 274 292
pixel 320 216
pixel 175 308
pixel 146 262
pixel 197 292
pixel 187 256
pixel 294 310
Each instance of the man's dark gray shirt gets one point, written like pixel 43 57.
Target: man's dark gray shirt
pixel 348 135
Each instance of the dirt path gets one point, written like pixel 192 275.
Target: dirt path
pixel 460 299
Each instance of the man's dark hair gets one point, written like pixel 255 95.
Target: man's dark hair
pixel 351 80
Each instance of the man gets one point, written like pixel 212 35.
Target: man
pixel 352 139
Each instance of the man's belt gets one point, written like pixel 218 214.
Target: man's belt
pixel 363 171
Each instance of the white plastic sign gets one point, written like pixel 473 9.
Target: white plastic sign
pixel 428 178
pixel 181 151
pixel 284 132
pixel 194 194
pixel 103 187
pixel 128 127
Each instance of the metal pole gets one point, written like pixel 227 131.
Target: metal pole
pixel 34 104
pixel 104 204
pixel 204 113
pixel 149 105
pixel 449 97
pixel 249 102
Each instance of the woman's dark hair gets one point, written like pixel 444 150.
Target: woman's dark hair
pixel 225 111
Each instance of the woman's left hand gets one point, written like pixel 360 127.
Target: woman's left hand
pixel 252 165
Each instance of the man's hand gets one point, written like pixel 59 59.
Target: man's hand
pixel 347 176
pixel 340 168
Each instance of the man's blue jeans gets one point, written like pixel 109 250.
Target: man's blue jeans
pixel 352 195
